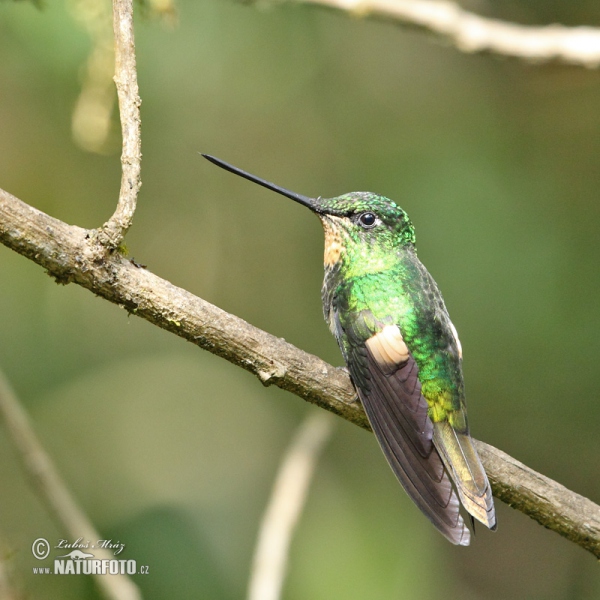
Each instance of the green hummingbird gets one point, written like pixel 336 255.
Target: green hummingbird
pixel 402 351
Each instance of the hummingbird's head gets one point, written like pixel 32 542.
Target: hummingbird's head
pixel 361 228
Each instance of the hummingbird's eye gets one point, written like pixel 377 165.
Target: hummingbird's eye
pixel 367 220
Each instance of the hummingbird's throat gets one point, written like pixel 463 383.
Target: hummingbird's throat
pixel 334 242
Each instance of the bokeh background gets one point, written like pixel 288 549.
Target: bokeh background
pixel 172 450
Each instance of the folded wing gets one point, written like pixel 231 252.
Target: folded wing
pixel 386 377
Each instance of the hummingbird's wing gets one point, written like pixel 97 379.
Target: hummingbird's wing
pixel 386 377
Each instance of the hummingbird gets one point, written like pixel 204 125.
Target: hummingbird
pixel 402 352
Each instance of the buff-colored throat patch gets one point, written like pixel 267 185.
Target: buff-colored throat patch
pixel 334 243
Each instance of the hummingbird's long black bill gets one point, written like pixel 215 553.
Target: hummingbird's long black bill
pixel 310 202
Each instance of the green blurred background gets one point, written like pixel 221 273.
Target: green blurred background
pixel 172 450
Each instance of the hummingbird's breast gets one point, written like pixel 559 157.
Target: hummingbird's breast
pixel 404 295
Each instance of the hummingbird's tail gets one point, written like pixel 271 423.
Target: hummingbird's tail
pixel 461 459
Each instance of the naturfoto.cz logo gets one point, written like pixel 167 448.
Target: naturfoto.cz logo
pixel 80 562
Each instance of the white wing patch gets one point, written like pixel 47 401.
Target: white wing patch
pixel 455 334
pixel 388 347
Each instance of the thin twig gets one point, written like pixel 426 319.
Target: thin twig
pixel 91 122
pixel 7 591
pixel 285 506
pixel 472 33
pixel 53 491
pixel 112 232
pixel 68 254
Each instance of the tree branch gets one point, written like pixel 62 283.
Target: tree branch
pixel 91 258
pixel 7 587
pixel 472 33
pixel 288 496
pixel 544 500
pixel 71 254
pixel 112 232
pixel 54 493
